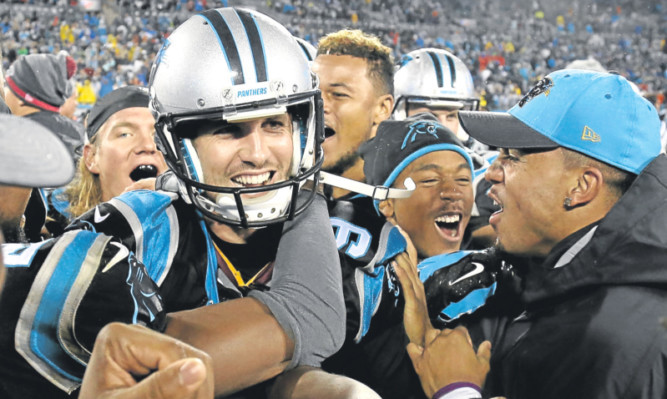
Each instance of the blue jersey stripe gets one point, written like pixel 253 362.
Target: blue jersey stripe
pixel 156 229
pixel 212 267
pixel 40 316
pixel 372 290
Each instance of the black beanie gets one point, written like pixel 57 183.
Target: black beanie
pixel 398 143
pixel 117 100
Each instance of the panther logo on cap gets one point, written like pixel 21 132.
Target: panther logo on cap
pixel 417 129
pixel 543 86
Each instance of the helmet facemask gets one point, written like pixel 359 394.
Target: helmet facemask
pixel 231 205
pixel 247 67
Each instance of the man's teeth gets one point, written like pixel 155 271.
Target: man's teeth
pixel 448 219
pixel 495 203
pixel 252 179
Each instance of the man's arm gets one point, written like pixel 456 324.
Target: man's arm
pixel 443 360
pixel 299 321
pixel 245 341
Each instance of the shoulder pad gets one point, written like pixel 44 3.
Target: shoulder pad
pixel 141 220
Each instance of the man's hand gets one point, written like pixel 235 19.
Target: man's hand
pixel 415 314
pixel 143 184
pixel 123 354
pixel 449 357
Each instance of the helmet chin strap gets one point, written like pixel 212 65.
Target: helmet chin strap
pixel 379 193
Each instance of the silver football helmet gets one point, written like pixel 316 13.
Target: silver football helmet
pixel 433 77
pixel 308 49
pixel 231 65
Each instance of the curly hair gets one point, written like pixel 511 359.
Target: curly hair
pixel 356 43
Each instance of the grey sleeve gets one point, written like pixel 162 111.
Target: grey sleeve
pixel 306 295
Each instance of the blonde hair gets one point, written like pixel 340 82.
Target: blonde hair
pixel 85 191
pixel 358 44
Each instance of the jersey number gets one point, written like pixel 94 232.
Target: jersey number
pixel 357 239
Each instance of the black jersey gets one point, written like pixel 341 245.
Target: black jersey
pixel 61 292
pixel 374 350
pixel 137 257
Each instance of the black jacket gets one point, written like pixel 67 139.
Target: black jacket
pixel 592 328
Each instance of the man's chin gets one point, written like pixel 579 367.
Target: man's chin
pixel 342 164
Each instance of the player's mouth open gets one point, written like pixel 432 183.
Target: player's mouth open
pixel 328 132
pixel 143 172
pixel 256 180
pixel 449 226
pixel 495 216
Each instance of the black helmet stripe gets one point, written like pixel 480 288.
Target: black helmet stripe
pixel 452 68
pixel 227 40
pixel 438 67
pixel 256 44
pixel 305 50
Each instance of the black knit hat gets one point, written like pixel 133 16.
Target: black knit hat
pixel 117 100
pixel 398 143
pixel 41 79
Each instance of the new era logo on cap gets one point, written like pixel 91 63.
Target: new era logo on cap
pixel 590 135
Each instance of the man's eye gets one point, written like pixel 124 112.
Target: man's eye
pixel 226 129
pixel 275 124
pixel 508 157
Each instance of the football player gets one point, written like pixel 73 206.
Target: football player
pixel 239 117
pixel 436 81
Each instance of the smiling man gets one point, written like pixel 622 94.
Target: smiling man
pixel 421 155
pixel 356 79
pixel 230 253
pixel 420 149
pixel 582 185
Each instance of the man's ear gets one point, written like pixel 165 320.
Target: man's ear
pixel 89 158
pixel 387 209
pixel 587 188
pixel 383 108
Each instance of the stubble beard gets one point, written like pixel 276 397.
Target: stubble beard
pixel 343 164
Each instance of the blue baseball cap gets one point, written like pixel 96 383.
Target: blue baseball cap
pixel 597 114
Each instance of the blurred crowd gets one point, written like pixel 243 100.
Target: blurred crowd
pixel 507 45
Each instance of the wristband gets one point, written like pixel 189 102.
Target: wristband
pixel 458 390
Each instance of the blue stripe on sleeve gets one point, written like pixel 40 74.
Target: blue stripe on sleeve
pixel 156 227
pixel 44 333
